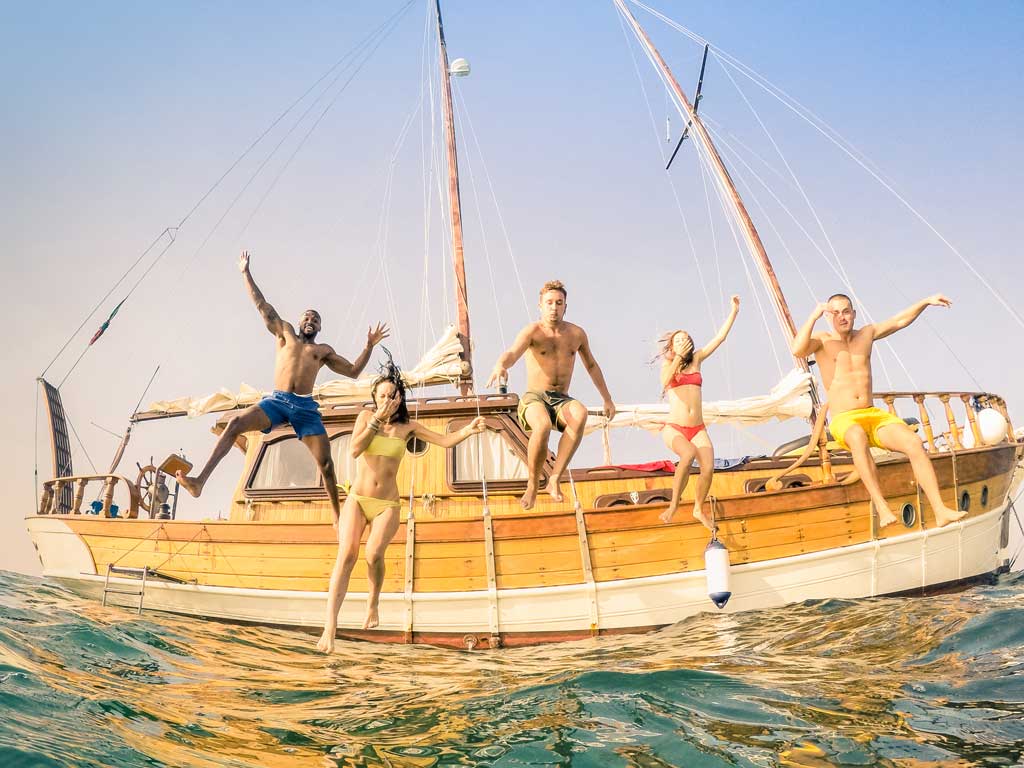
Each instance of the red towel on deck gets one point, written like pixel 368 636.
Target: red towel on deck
pixel 650 466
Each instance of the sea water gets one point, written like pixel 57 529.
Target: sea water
pixel 923 681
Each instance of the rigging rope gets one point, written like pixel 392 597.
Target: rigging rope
pixel 497 209
pixel 668 176
pixel 844 145
pixel 171 231
pixel 480 219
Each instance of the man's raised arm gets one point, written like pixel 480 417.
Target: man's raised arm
pixel 510 356
pixel 804 343
pixel 596 375
pixel 902 319
pixel 272 320
pixel 339 364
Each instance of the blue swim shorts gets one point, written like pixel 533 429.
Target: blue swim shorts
pixel 298 410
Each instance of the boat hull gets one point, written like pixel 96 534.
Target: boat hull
pixel 914 561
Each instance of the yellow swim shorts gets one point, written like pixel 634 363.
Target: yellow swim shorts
pixel 869 419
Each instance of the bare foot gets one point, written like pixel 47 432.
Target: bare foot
pixel 885 515
pixel 667 515
pixel 553 490
pixel 372 619
pixel 326 642
pixel 530 497
pixel 945 515
pixel 702 517
pixel 190 484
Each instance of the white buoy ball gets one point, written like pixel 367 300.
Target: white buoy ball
pixel 992 425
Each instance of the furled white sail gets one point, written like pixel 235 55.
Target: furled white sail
pixel 441 364
pixel 790 398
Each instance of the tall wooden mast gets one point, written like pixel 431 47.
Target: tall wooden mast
pixel 454 201
pixel 749 231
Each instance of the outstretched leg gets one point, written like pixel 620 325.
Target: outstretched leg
pixel 350 530
pixel 572 417
pixel 249 420
pixel 320 447
pixel 706 460
pixel 897 437
pixel 537 451
pixel 382 531
pixel 684 449
pixel 857 441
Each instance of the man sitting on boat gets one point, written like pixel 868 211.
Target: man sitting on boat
pixel 552 345
pixel 844 358
pixel 299 359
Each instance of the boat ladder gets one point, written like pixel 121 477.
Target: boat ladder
pixel 134 573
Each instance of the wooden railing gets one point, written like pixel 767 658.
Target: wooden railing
pixel 49 504
pixel 985 399
pixel 953 435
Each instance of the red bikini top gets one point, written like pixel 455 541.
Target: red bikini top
pixel 680 379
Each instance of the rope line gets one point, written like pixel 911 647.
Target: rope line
pixel 843 144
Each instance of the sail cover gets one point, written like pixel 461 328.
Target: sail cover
pixel 443 363
pixel 790 398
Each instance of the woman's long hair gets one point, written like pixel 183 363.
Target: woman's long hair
pixel 668 353
pixel 389 371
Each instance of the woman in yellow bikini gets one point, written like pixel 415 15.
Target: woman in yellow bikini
pixel 378 442
pixel 684 432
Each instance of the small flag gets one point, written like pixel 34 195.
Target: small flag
pixel 106 323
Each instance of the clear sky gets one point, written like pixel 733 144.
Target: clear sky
pixel 119 116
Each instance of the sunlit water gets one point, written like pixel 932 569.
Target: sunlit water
pixel 892 681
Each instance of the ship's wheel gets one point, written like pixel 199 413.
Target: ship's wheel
pixel 151 495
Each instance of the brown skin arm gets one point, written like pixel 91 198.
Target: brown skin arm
pixel 339 364
pixel 271 319
pixel 902 319
pixel 596 375
pixel 452 438
pixel 510 356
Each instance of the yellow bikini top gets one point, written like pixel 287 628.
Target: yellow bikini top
pixel 381 445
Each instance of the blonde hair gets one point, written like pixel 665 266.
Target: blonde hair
pixel 554 285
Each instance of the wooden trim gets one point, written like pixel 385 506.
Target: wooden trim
pixel 515 438
pixel 410 570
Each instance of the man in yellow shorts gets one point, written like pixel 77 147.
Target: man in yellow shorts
pixel 844 358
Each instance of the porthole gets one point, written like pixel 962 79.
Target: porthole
pixel 984 495
pixel 965 501
pixel 909 515
pixel 415 446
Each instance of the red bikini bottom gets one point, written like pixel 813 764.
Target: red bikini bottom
pixel 688 432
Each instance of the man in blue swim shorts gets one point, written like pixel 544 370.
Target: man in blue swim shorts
pixel 299 359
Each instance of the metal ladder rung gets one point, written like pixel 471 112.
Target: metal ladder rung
pixel 140 573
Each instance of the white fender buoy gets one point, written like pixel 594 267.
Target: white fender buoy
pixel 716 570
pixel 992 426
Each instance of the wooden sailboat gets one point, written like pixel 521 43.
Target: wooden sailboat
pixel 470 569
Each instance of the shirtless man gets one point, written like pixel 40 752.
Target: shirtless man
pixel 844 357
pixel 552 345
pixel 299 359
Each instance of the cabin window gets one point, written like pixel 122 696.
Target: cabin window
pixel 286 463
pixel 344 464
pixel 490 455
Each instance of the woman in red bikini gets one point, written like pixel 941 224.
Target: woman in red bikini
pixel 684 431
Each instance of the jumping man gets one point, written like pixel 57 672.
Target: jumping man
pixel 844 356
pixel 299 359
pixel 552 345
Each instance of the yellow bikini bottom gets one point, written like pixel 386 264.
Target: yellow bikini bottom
pixel 372 507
